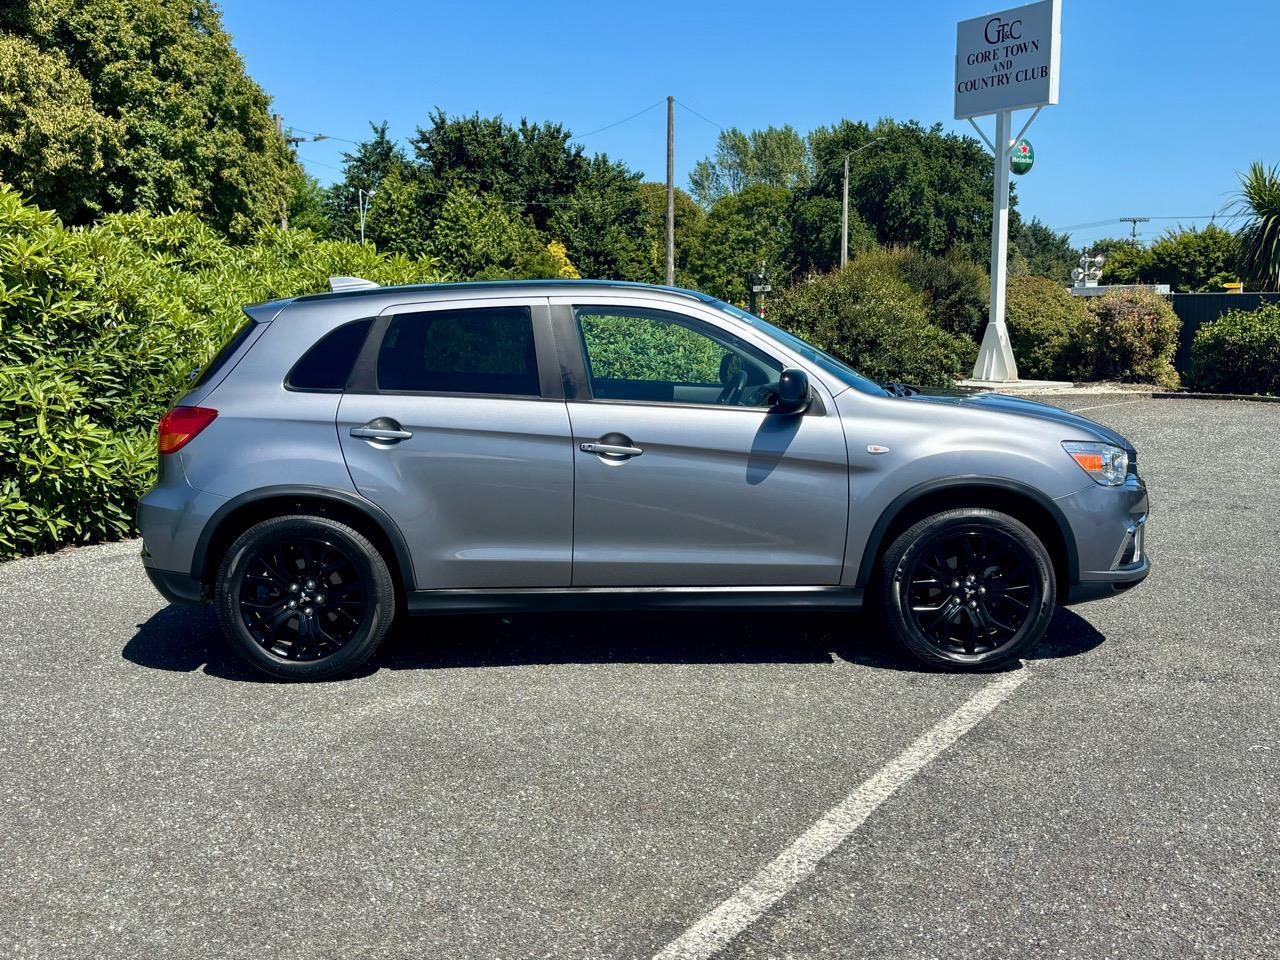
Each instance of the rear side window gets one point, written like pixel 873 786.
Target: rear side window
pixel 486 350
pixel 327 365
pixel 226 353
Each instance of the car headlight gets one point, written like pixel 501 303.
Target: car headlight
pixel 1105 462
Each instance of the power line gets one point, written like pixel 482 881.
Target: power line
pixel 616 123
pixel 326 136
pixel 699 116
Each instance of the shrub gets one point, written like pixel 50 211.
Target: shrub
pixel 868 316
pixel 1050 330
pixel 1239 352
pixel 1135 337
pixel 956 290
pixel 98 329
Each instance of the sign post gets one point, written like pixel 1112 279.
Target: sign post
pixel 1005 61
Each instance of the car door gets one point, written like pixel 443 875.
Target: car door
pixel 454 423
pixel 682 474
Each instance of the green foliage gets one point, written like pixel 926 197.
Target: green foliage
pixel 916 187
pixel 1050 330
pixel 1046 253
pixel 742 231
pixel 1259 237
pixel 162 117
pixel 955 289
pixel 1135 337
pixel 1239 352
pixel 868 316
pixel 603 224
pixel 365 168
pixel 689 223
pixel 1125 262
pixel 98 329
pixel 1189 260
pixel 53 143
pixel 634 348
pixel 775 157
pixel 815 234
pixel 307 203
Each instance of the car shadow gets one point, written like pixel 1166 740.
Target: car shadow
pixel 186 640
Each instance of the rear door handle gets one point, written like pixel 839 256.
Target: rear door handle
pixel 611 450
pixel 384 429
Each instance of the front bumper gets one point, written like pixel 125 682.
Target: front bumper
pixel 1109 524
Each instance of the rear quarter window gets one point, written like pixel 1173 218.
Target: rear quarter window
pixel 225 353
pixel 327 365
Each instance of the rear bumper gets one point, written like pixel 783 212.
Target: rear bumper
pixel 180 589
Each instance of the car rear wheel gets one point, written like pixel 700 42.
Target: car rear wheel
pixel 968 589
pixel 304 597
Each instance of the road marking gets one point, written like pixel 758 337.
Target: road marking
pixel 1099 406
pixel 719 927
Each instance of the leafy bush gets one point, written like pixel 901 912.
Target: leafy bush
pixel 1051 331
pixel 1239 352
pixel 867 315
pixel 98 329
pixel 1135 337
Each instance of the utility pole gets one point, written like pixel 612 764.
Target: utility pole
pixel 844 203
pixel 292 143
pixel 1135 221
pixel 671 191
pixel 844 217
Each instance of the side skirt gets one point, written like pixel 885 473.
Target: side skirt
pixel 426 602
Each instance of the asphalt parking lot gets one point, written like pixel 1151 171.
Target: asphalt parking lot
pixel 546 786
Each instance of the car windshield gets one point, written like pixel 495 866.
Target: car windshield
pixel 838 369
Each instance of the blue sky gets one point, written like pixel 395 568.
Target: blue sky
pixel 1161 102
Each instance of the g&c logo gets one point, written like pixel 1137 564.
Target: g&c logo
pixel 998 31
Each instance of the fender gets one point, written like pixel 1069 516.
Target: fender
pixel 346 498
pixel 997 484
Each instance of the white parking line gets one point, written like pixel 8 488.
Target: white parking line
pixel 719 927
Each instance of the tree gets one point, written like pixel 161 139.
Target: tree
pixel 194 131
pixel 364 168
pixel 1048 254
pixel 478 236
pixel 603 223
pixel 916 187
pixel 1189 260
pixel 55 147
pixel 1259 238
pixel 1123 261
pixel 742 232
pixel 689 220
pixel 307 204
pixel 814 223
pixel 775 156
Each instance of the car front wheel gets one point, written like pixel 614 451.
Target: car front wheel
pixel 967 589
pixel 304 597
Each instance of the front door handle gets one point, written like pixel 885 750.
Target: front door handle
pixel 383 429
pixel 611 449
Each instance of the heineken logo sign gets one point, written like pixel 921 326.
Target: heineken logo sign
pixel 1022 157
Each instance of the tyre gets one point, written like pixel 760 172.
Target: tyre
pixel 967 589
pixel 304 597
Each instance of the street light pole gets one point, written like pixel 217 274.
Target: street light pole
pixel 844 205
pixel 362 203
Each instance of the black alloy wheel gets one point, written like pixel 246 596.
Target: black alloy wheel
pixel 969 588
pixel 304 597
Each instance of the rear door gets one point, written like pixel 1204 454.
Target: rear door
pixel 454 423
pixel 683 476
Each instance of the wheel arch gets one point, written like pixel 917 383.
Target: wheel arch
pixel 1018 500
pixel 238 514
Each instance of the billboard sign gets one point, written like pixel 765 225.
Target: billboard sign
pixel 1008 60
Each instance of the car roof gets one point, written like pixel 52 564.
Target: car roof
pixel 489 286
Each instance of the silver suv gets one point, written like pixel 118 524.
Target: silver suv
pixel 352 457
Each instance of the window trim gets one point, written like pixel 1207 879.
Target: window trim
pixel 288 377
pixel 364 373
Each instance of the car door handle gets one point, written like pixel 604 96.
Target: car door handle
pixel 382 428
pixel 611 450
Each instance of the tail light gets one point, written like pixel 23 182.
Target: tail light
pixel 180 426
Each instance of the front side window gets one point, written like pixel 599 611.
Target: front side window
pixel 482 350
pixel 653 356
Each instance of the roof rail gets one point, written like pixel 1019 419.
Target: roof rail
pixel 343 284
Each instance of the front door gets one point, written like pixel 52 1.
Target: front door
pixel 683 476
pixel 454 423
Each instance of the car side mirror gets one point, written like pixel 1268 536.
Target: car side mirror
pixel 793 392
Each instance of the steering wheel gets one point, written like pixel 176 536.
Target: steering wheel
pixel 733 389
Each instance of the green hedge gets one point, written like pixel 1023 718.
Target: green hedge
pixel 1135 336
pixel 1050 330
pixel 1239 352
pixel 868 316
pixel 98 330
